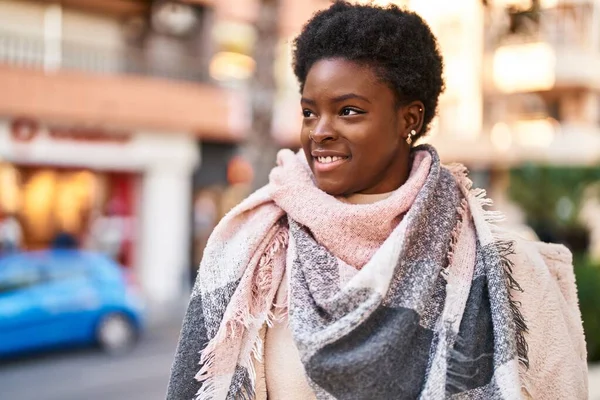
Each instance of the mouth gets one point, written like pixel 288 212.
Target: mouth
pixel 328 163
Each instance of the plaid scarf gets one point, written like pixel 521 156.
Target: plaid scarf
pixel 427 315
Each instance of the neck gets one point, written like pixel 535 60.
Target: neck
pixel 359 198
pixel 396 174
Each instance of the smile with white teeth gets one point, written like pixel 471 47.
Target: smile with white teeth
pixel 327 160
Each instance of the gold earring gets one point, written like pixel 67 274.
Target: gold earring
pixel 409 139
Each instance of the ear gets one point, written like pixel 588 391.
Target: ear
pixel 412 116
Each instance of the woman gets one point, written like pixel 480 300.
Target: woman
pixel 365 269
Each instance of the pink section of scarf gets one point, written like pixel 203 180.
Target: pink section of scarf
pixel 352 232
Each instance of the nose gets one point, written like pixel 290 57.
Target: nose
pixel 323 132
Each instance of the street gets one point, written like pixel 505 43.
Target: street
pixel 88 374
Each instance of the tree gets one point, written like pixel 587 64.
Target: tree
pixel 551 197
pixel 260 149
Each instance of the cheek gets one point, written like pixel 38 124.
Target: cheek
pixel 374 153
pixel 375 144
pixel 304 138
pixel 305 135
pixel 305 142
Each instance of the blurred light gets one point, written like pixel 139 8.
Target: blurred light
pixel 231 66
pixel 457 80
pixel 73 197
pixel 524 67
pixel 549 3
pixel 501 136
pixel 236 37
pixel 10 199
pixel 535 133
pixel 38 198
pixel 173 18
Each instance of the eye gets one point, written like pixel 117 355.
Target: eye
pixel 347 111
pixel 307 113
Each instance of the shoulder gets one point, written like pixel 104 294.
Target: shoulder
pixel 548 302
pixel 548 265
pixel 557 258
pixel 554 261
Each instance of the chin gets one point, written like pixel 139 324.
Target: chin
pixel 331 188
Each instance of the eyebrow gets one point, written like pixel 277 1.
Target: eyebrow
pixel 337 99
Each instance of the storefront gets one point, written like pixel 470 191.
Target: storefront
pixel 125 193
pixel 95 208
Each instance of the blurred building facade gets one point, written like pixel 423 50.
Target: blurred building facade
pixel 521 77
pixel 522 81
pixel 522 89
pixel 119 119
pixel 104 109
pixel 542 90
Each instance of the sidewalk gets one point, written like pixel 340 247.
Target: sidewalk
pixel 594 381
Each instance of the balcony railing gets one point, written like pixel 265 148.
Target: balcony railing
pixel 575 26
pixel 38 52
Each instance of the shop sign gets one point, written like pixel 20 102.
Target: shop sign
pixel 24 130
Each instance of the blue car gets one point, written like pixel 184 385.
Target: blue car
pixel 60 298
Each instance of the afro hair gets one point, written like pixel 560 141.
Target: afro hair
pixel 397 43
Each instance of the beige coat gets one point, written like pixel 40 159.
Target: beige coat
pixel 557 353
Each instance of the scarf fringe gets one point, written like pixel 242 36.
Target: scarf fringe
pixel 254 314
pixel 247 392
pixel 264 273
pixel 256 352
pixel 208 388
pixel 505 249
pixel 260 303
pixel 280 312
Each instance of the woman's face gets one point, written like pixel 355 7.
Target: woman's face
pixel 353 133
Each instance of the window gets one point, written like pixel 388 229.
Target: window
pixel 553 108
pixel 63 268
pixel 17 275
